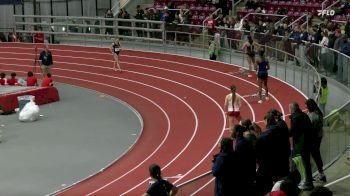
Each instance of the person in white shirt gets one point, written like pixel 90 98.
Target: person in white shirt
pixel 232 106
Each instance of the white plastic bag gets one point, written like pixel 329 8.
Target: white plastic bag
pixel 29 113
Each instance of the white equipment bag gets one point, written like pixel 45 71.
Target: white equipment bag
pixel 29 113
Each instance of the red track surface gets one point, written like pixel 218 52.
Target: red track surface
pixel 180 100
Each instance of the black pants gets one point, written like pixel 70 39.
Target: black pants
pixel 264 183
pixel 305 157
pixel 316 154
pixel 213 57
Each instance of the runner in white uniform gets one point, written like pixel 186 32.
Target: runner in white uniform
pixel 233 110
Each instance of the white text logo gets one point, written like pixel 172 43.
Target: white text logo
pixel 325 12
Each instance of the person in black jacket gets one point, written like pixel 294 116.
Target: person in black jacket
pixel 283 151
pixel 159 187
pixel 223 168
pixel 301 132
pixel 266 156
pixel 246 161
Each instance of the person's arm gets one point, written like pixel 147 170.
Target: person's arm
pixel 111 49
pixel 217 166
pixel 244 47
pixel 226 103
pixel 239 102
pixel 268 65
pixel 119 46
pixel 173 191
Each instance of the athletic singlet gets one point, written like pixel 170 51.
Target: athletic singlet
pixel 234 107
pixel 116 48
pixel 262 66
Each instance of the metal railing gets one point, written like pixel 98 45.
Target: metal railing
pixel 330 6
pixel 295 63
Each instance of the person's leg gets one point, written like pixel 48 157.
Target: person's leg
pixel 316 155
pixel 48 69
pixel 43 70
pixel 305 156
pixel 231 122
pixel 250 63
pixel 238 117
pixel 266 89
pixel 323 108
pixel 118 65
pixel 260 82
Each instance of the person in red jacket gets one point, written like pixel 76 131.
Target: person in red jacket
pixel 31 79
pixel 2 79
pixel 39 36
pixel 47 81
pixel 13 80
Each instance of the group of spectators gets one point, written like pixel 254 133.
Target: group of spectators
pixel 274 159
pixel 31 80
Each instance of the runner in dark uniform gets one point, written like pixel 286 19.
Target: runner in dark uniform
pixel 262 67
pixel 115 49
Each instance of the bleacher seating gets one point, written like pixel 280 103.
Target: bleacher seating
pixel 198 12
pixel 295 8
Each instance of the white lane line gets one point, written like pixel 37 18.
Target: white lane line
pixel 157 88
pixel 107 52
pixel 131 92
pixel 202 187
pixel 144 65
pixel 277 101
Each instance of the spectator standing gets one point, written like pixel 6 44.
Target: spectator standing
pixel 211 25
pixel 346 48
pixel 338 45
pixel 246 161
pixel 316 118
pixel 159 187
pixel 2 37
pixel 347 27
pixel 109 14
pixel 224 165
pixel 281 139
pixel 47 81
pixel 39 36
pixel 31 79
pixel 301 134
pixel 140 14
pixel 213 50
pixel 324 58
pixel 323 95
pixel 46 60
pixel 266 156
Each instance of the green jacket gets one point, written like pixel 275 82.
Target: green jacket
pixel 323 95
pixel 214 49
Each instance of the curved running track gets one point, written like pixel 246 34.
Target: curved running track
pixel 180 100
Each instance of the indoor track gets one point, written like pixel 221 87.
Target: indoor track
pixel 179 98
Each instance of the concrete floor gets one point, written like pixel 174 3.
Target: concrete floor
pixel 83 128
